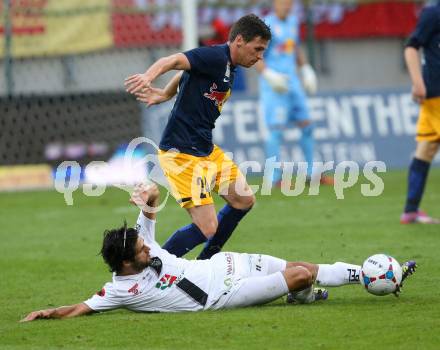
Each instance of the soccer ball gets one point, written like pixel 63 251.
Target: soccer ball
pixel 381 274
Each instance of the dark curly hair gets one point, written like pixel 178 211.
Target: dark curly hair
pixel 113 250
pixel 250 27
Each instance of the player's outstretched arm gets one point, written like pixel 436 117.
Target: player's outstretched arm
pixel 146 197
pixel 153 96
pixel 138 82
pixel 59 312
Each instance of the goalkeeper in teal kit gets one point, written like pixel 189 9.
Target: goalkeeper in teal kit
pixel 282 95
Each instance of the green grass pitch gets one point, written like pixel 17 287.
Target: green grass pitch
pixel 48 257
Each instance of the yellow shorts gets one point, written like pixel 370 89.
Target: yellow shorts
pixel 428 125
pixel 193 179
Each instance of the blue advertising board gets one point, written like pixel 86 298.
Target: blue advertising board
pixel 349 126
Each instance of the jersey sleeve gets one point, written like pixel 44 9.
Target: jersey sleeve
pixel 146 228
pixel 104 300
pixel 425 28
pixel 205 60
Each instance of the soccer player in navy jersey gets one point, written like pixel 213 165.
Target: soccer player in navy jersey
pixel 426 92
pixel 193 165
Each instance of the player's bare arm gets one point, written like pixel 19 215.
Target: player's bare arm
pixel 137 82
pixel 59 312
pixel 412 59
pixel 152 96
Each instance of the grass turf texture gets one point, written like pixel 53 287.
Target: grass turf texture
pixel 48 257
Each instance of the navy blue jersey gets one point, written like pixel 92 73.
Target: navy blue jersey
pixel 427 36
pixel 202 92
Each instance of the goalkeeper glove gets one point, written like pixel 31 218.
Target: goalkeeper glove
pixel 309 79
pixel 277 81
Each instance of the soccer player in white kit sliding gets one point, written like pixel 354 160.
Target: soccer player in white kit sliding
pixel 147 278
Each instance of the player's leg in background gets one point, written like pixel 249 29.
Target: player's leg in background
pixel 274 107
pixel 233 188
pixel 299 113
pixel 418 173
pixel 272 149
pixel 307 144
pixel 428 133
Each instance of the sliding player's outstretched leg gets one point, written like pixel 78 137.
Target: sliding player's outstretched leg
pixel 325 275
pixel 408 268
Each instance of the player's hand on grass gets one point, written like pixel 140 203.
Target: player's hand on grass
pixel 152 96
pixel 419 92
pixel 137 83
pixel 36 315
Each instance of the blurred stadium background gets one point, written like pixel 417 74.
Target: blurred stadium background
pixel 63 63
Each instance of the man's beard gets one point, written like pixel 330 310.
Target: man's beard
pixel 140 265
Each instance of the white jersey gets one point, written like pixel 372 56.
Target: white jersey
pixel 172 284
pixel 169 284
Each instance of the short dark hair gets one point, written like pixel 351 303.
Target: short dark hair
pixel 250 27
pixel 113 250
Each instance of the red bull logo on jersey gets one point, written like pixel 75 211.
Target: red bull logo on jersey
pixel 219 97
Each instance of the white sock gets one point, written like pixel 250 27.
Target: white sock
pixel 338 274
pixel 305 296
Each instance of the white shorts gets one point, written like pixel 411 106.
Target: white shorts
pixel 241 280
